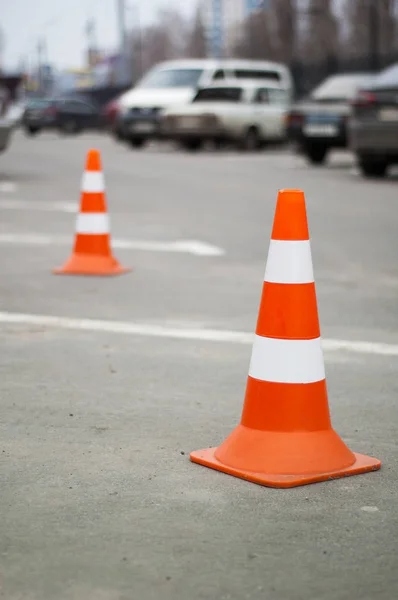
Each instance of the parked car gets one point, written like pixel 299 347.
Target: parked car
pixel 247 114
pixel 176 82
pixel 318 123
pixel 66 114
pixel 374 124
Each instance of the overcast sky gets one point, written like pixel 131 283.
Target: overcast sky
pixel 63 22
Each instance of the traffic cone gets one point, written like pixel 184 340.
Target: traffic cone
pixel 92 254
pixel 285 437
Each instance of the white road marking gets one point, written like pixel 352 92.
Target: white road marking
pixel 67 207
pixel 7 187
pixel 181 246
pixel 369 509
pixel 205 335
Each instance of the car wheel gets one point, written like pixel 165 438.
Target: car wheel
pixel 316 154
pixel 251 141
pixel 70 126
pixel 32 130
pixel 191 145
pixel 117 135
pixel 372 167
pixel 137 142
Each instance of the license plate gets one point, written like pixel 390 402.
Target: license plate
pixel 388 114
pixel 142 127
pixel 320 130
pixel 189 122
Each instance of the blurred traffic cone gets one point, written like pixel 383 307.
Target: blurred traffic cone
pixel 285 437
pixel 92 254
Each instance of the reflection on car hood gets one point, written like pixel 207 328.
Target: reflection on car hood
pixel 156 97
pixel 326 108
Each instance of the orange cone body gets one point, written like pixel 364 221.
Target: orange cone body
pixel 92 254
pixel 285 437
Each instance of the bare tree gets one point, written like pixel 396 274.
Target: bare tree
pixel 284 27
pixel 254 40
pixel 1 48
pixel 372 28
pixel 196 46
pixel 165 39
pixel 322 40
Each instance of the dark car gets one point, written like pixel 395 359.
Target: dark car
pixel 374 124
pixel 69 115
pixel 138 124
pixel 319 123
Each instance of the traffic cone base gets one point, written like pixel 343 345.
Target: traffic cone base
pixel 87 264
pixel 265 453
pixel 285 436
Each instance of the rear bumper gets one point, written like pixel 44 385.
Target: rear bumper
pixel 376 139
pixel 139 128
pixel 299 137
pixel 202 134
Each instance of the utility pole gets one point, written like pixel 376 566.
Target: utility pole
pixel 91 41
pixel 374 30
pixel 121 14
pixel 40 55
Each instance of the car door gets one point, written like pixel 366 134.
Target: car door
pixel 81 113
pixel 263 113
pixel 279 106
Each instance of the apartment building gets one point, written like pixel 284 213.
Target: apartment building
pixel 222 17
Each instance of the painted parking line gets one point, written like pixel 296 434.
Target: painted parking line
pixel 194 247
pixel 7 187
pixel 65 207
pixel 203 335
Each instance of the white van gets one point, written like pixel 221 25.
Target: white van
pixel 176 82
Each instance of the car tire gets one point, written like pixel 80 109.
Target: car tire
pixel 69 127
pixel 117 135
pixel 31 131
pixel 251 141
pixel 372 167
pixel 316 154
pixel 137 143
pixel 193 145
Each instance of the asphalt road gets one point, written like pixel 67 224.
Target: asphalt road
pixel 101 406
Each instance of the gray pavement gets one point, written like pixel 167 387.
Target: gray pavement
pixel 99 500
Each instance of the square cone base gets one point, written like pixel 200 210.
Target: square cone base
pixel 91 266
pixel 362 464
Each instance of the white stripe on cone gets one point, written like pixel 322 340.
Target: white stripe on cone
pixel 93 182
pixel 287 361
pixel 289 262
pixel 92 223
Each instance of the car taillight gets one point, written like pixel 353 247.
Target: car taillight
pixel 363 99
pixel 111 110
pixel 294 119
pixel 51 111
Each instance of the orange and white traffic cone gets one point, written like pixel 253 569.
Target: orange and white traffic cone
pixel 285 437
pixel 92 254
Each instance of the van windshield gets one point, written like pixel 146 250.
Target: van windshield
pixel 171 78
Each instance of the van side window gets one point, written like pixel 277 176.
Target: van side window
pixel 218 74
pixel 278 97
pixel 256 74
pixel 261 96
